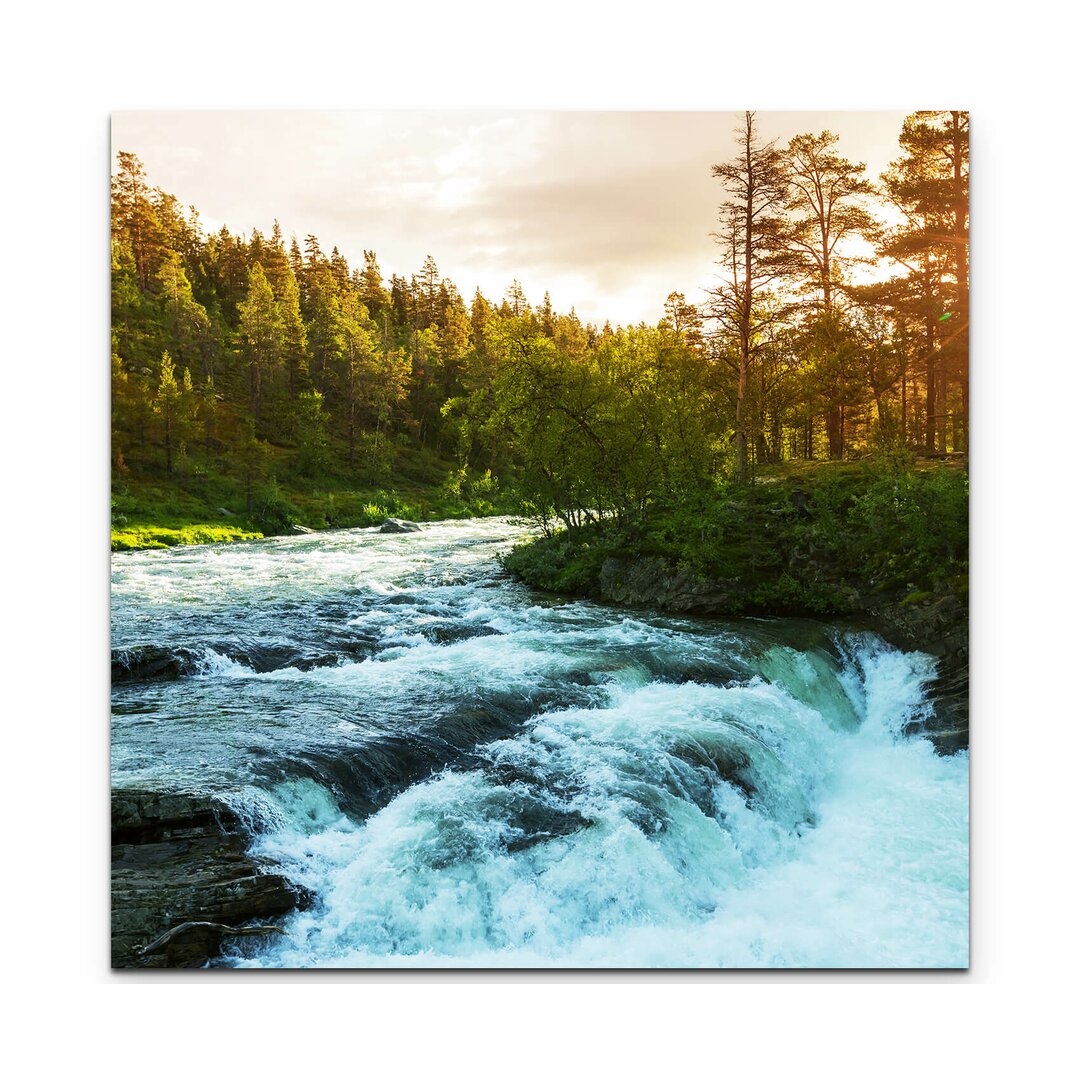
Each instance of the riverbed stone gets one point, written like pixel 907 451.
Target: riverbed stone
pixel 145 663
pixel 397 525
pixel 182 857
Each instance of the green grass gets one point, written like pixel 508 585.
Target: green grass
pixel 202 503
pixel 139 538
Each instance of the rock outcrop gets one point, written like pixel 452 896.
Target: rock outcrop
pixel 933 623
pixel 397 525
pixel 650 581
pixel 182 858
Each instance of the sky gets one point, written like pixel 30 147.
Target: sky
pixel 607 211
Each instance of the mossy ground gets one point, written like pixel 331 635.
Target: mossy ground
pixel 805 539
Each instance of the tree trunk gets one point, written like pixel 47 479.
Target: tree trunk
pixel 960 212
pixel 931 388
pixel 903 405
pixel 834 428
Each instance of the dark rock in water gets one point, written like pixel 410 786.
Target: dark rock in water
pixel 947 725
pixel 300 530
pixel 396 525
pixel 182 858
pixel 447 632
pixel 145 663
pixel 935 624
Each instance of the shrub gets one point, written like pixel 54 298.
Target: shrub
pixel 271 513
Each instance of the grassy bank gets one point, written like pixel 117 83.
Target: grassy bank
pixel 154 509
pixel 141 537
pixel 818 539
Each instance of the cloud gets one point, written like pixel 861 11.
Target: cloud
pixel 608 211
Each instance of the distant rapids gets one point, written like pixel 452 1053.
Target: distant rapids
pixel 466 773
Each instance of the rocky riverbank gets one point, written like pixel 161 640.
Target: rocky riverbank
pixel 865 550
pixel 180 863
pixel 934 623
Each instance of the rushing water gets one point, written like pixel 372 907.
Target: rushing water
pixel 465 773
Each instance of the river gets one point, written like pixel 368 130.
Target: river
pixel 467 773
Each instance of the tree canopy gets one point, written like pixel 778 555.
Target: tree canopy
pixel 266 360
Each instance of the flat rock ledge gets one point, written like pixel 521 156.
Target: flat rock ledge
pixel 182 858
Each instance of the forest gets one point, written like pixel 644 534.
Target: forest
pixel 261 382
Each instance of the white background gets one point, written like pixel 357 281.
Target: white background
pixel 66 68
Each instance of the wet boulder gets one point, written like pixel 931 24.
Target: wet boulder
pixel 146 663
pixel 183 882
pixel 397 525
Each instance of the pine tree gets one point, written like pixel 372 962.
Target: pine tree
pixel 186 322
pixel 275 261
pixel 374 297
pixel 293 332
pixel 340 268
pixel 261 334
pixel 134 220
pixel 426 291
pixel 516 302
pixel 358 336
pixel 547 317
pixel 826 206
pixel 165 405
pixel 752 259
pixel 684 319
pixel 326 341
pixel 928 184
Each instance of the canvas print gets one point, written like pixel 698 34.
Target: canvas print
pixel 539 540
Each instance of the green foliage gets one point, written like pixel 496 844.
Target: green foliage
pixel 865 531
pixel 480 493
pixel 561 563
pixel 600 435
pixel 312 439
pixel 274 384
pixel 271 513
pixel 913 525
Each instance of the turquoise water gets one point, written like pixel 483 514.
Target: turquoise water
pixel 464 773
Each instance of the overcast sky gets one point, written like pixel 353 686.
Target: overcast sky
pixel 608 211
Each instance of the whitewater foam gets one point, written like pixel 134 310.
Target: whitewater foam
pixel 463 774
pixel 711 826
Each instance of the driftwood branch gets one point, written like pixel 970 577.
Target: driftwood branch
pixel 163 939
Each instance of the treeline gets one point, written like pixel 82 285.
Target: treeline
pixel 818 364
pixel 264 360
